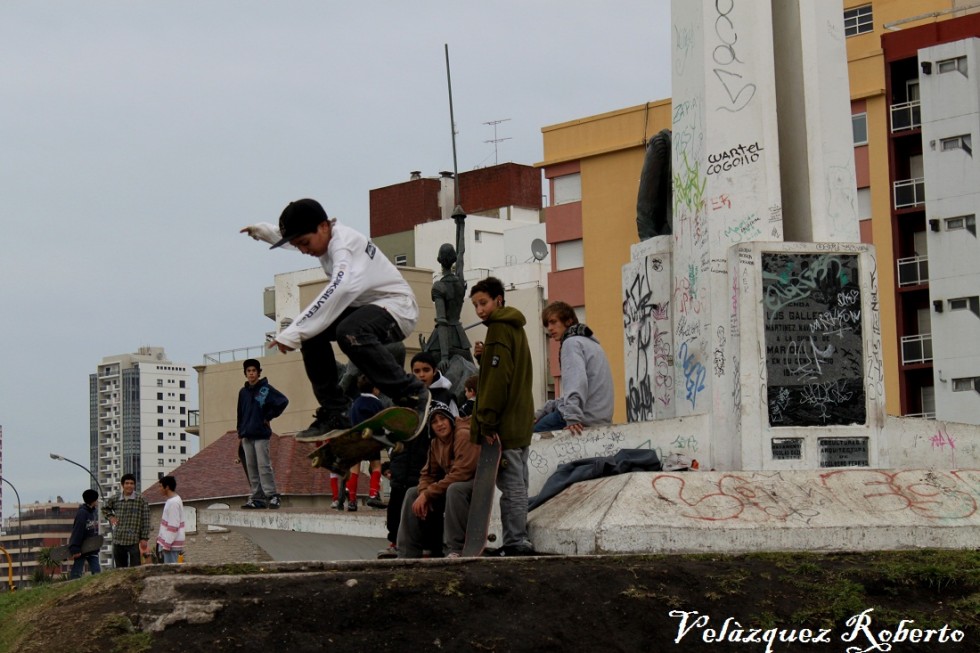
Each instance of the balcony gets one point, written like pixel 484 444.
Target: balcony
pixel 909 193
pixel 913 271
pixel 931 415
pixel 229 355
pixel 193 422
pixel 906 115
pixel 917 349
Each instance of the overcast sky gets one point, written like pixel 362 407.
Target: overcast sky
pixel 137 138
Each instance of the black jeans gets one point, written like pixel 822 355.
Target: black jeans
pixel 126 555
pixel 361 333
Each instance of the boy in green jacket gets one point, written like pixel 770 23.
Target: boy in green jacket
pixel 505 407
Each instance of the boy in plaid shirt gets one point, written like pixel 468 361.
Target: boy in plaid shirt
pixel 129 515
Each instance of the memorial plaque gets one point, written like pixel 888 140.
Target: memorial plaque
pixel 843 452
pixel 813 339
pixel 787 448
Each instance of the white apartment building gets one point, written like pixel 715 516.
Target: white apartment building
pixel 138 412
pixel 949 87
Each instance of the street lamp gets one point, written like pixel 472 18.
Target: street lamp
pixel 20 530
pixel 55 456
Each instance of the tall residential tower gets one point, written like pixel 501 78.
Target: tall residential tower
pixel 138 405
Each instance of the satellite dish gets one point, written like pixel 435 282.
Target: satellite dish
pixel 539 249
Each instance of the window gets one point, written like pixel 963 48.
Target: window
pixel 183 450
pixel 160 462
pixel 968 222
pixel 401 259
pixel 160 449
pixel 159 396
pixel 160 383
pixel 858 20
pixel 864 203
pixel 159 422
pixel 859 125
pixel 956 64
pixel 971 304
pixel 183 384
pixel 183 397
pixel 183 436
pixel 966 384
pixel 567 188
pixel 159 436
pixel 568 255
pixel 957 143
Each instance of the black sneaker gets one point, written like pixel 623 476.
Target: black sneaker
pixel 322 425
pixel 275 503
pixel 420 403
pixel 254 504
pixel 352 506
pixel 376 502
pixel 510 551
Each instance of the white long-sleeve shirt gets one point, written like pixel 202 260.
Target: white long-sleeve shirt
pixel 171 534
pixel 359 274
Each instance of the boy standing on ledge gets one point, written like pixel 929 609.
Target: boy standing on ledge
pixel 505 407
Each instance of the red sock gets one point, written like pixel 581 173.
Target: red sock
pixel 375 484
pixel 352 487
pixel 335 486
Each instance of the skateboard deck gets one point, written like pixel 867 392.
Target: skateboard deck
pixel 481 503
pixel 89 545
pixel 345 447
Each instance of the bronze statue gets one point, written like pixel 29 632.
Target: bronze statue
pixel 449 339
pixel 654 201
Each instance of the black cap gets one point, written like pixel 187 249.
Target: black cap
pixel 251 362
pixel 440 408
pixel 300 218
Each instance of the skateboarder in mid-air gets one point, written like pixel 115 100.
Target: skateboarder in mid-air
pixel 365 305
pixel 505 407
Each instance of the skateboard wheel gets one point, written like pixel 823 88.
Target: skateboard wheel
pixel 366 434
pixel 492 537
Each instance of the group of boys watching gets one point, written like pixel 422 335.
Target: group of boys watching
pixel 366 304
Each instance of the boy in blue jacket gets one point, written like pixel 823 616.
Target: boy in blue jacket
pixel 86 525
pixel 258 404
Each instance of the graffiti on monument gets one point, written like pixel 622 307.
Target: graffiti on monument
pixel 813 338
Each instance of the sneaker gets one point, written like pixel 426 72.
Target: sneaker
pixel 352 505
pixel 420 403
pixel 511 551
pixel 323 424
pixel 388 553
pixel 275 502
pixel 376 502
pixel 254 504
pixel 453 554
pixel 336 504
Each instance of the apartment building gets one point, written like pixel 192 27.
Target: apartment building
pixel 138 416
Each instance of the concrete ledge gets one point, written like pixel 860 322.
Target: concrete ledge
pixel 367 524
pixel 736 512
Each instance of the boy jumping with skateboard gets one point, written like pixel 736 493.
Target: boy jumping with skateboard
pixel 366 304
pixel 505 407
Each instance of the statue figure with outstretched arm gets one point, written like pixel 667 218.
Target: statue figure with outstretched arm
pixel 448 294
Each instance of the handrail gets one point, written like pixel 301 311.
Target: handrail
pixel 10 569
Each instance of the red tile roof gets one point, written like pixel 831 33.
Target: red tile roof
pixel 213 473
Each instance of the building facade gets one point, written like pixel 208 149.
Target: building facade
pixel 138 416
pixel 593 164
pixel 39 526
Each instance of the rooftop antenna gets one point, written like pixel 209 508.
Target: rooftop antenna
pixel 459 216
pixel 496 140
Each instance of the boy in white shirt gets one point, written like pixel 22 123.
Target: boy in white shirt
pixel 365 305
